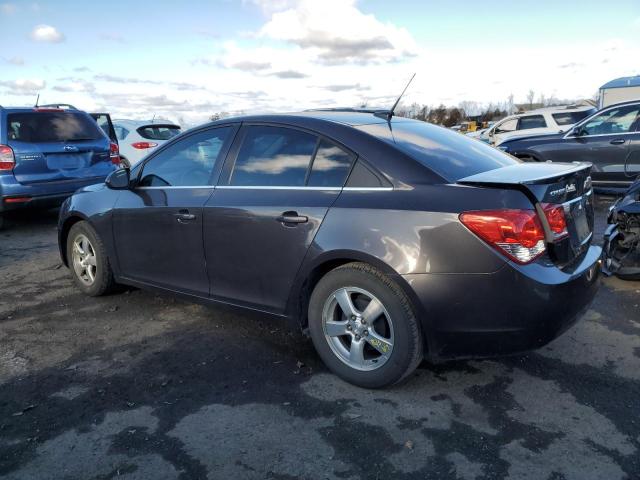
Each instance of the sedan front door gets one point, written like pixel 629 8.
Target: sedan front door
pixel 264 214
pixel 158 223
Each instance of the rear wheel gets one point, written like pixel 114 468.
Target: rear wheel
pixel 88 260
pixel 363 326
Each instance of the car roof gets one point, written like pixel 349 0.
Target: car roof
pixel 348 117
pixel 622 82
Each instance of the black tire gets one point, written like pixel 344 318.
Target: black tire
pixel 407 351
pixel 103 282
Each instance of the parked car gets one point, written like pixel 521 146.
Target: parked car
pixel 536 122
pixel 389 239
pixel 139 138
pixel 48 153
pixel 609 139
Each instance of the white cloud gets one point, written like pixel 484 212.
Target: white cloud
pixel 337 32
pixel 23 86
pixel 18 61
pixel 47 33
pixel 8 8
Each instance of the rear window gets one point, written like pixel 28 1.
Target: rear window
pixel 451 155
pixel 569 118
pixel 159 132
pixel 37 127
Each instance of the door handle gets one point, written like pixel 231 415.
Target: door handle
pixel 184 216
pixel 292 217
pixel 617 141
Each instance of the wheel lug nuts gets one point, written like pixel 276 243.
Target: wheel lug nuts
pixel 366 332
pixel 357 337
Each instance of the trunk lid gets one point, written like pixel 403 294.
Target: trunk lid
pixel 561 184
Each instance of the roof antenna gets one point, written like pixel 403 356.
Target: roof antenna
pixel 390 113
pixel 37 100
pixel 154 118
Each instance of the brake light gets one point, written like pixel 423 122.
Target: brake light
pixel 115 153
pixel 7 159
pixel 143 145
pixel 517 234
pixel 557 221
pixel 48 109
pixel 17 199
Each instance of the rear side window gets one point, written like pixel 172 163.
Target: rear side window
pixel 532 121
pixel 330 167
pixel 121 132
pixel 159 132
pixel 449 154
pixel 41 127
pixel 569 118
pixel 273 156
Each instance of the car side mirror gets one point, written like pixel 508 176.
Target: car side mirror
pixel 119 180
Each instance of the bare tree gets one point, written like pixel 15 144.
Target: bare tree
pixel 530 96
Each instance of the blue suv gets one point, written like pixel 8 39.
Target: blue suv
pixel 46 154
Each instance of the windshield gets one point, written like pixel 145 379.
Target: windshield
pixel 451 155
pixel 36 127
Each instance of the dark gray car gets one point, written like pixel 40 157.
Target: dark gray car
pixel 390 240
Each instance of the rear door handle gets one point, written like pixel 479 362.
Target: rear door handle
pixel 617 141
pixel 292 217
pixel 184 216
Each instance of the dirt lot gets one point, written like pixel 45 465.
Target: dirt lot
pixel 140 386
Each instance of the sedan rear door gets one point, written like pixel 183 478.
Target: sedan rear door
pixel 275 191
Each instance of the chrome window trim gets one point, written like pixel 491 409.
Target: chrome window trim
pixel 264 187
pixel 600 134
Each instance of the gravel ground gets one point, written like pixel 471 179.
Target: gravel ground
pixel 140 386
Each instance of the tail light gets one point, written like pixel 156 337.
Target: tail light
pixel 557 221
pixel 115 153
pixel 517 234
pixel 7 159
pixel 143 145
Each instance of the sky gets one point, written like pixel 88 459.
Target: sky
pixel 185 61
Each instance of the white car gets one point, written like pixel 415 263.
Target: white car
pixel 536 122
pixel 138 138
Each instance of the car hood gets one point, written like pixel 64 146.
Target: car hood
pixel 92 188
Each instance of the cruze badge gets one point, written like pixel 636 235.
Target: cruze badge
pixel 567 189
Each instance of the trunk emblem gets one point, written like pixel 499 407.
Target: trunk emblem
pixel 70 148
pixel 567 189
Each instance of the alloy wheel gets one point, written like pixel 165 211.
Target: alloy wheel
pixel 84 259
pixel 358 328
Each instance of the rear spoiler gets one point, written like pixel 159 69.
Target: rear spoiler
pixel 525 174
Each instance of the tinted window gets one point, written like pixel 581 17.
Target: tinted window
pixel 273 156
pixel 330 166
pixel 449 154
pixel 614 121
pixel 532 121
pixel 188 162
pixel 507 126
pixel 52 127
pixel 159 132
pixel 121 132
pixel 569 118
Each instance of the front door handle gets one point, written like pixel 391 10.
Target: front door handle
pixel 184 216
pixel 617 141
pixel 292 217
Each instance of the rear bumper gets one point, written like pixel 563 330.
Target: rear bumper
pixel 516 309
pixel 40 195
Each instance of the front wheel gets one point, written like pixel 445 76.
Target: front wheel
pixel 88 260
pixel 363 327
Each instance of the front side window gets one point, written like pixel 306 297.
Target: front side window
pixel 507 126
pixel 613 121
pixel 531 121
pixel 273 156
pixel 187 163
pixel 330 167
